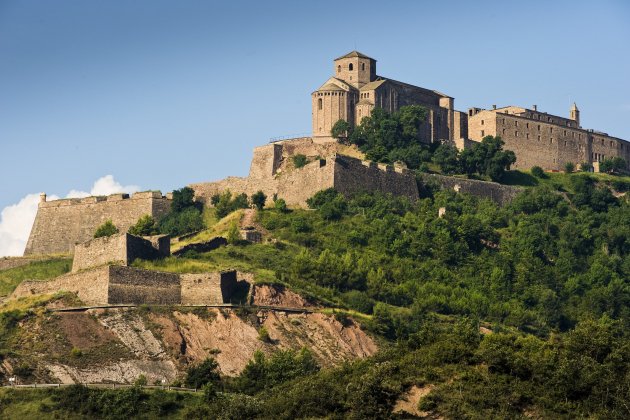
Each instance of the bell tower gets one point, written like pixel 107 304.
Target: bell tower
pixel 355 68
pixel 575 114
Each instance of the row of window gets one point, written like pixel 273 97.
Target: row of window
pixel 331 93
pixel 351 67
pixel 365 95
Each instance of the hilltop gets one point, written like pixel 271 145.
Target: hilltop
pixel 477 310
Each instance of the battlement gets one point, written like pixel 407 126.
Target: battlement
pixel 60 224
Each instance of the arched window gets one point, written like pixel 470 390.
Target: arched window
pixel 350 67
pixel 338 69
pixel 319 103
pixel 363 66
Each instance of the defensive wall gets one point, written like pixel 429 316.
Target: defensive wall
pixel 113 284
pixel 121 248
pixel 499 193
pixel 61 224
pixel 273 173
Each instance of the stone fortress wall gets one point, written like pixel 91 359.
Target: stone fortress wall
pixel 273 173
pixel 121 248
pixel 60 224
pixel 101 276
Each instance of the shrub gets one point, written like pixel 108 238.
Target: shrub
pixel 141 380
pixel 106 229
pixel 322 197
pixel 586 167
pixel 259 199
pixel 180 223
pixel 281 205
pixel 538 172
pixel 76 352
pixel 569 167
pixel 233 234
pixel 145 226
pixel 299 160
pixel 263 335
pixel 226 205
pixel 203 373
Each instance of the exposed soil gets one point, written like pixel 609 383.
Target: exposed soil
pixel 408 402
pixel 83 331
pixel 278 296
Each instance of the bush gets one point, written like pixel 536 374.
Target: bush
pixel 203 373
pixel 322 197
pixel 281 205
pixel 233 234
pixel 106 229
pixel 263 335
pixel 180 223
pixel 569 167
pixel 182 199
pixel 538 172
pixel 145 226
pixel 259 199
pixel 225 204
pixel 76 352
pixel 141 380
pixel 299 160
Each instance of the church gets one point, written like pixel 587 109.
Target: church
pixel 355 89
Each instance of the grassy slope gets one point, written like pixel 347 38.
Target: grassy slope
pixel 38 270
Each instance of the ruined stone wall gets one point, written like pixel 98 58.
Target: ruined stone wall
pixel 100 251
pixel 121 248
pixel 90 286
pixel 129 285
pixel 207 288
pixel 500 194
pixel 61 224
pixel 353 175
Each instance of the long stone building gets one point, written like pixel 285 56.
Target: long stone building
pixel 355 90
pixel 541 139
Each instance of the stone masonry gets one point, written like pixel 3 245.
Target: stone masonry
pixel 355 90
pixel 61 224
pixel 121 248
pixel 545 140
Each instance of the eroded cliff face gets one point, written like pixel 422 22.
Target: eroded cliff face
pixel 118 345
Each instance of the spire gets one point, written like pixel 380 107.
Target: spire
pixel 574 107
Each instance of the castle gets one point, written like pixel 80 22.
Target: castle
pixel 355 90
pixel 537 138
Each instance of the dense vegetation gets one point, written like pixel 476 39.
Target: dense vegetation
pixel 185 215
pixel 500 312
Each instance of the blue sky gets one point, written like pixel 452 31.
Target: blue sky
pixel 164 93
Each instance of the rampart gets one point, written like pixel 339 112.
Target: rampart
pixel 128 285
pixel 112 284
pixel 500 194
pixel 121 248
pixel 273 173
pixel 60 224
pixel 207 288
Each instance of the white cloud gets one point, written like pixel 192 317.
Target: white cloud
pixel 16 220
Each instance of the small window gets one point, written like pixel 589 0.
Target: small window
pixel 481 122
pixel 526 135
pixel 362 66
pixel 503 131
pixel 551 129
pixel 516 123
pixel 483 133
pixel 538 138
pixel 350 67
pixel 319 103
pixel 612 144
pixel 338 69
pixel 538 127
pixel 551 140
pixel 527 125
pixel 516 134
pixel 565 132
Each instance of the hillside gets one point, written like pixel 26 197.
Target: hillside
pixel 484 312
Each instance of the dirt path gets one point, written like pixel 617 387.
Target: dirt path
pixel 249 220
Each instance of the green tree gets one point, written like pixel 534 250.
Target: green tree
pixel 182 199
pixel 341 130
pixel 259 199
pixel 145 226
pixel 203 373
pixel 446 157
pixel 281 205
pixel 569 167
pixel 106 229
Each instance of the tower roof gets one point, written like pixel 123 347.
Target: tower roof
pixel 574 107
pixel 354 53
